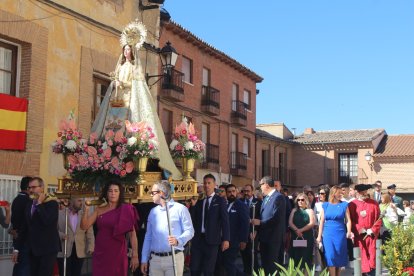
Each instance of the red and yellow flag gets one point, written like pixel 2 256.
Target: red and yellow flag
pixel 13 113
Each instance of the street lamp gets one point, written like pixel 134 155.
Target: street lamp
pixel 168 56
pixel 368 157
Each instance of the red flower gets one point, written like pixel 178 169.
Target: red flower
pixel 183 132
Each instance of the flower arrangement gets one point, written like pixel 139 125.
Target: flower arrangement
pixel 102 158
pixel 409 271
pixel 186 143
pixel 69 138
pixel 142 141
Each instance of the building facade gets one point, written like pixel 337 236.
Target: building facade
pixel 218 95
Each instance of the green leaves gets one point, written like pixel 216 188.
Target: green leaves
pixel 293 270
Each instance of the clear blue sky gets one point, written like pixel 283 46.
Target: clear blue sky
pixel 329 65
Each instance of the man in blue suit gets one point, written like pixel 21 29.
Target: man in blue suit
pixel 272 224
pixel 211 226
pixel 239 230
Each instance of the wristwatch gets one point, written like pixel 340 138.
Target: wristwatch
pixel 15 251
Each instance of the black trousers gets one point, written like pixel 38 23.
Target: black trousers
pixel 42 265
pixel 73 264
pixel 247 257
pixel 270 254
pixel 203 257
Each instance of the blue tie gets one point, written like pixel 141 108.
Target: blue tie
pixel 266 199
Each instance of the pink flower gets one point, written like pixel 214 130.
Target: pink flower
pixel 93 137
pixel 115 162
pixel 109 135
pixel 92 151
pixel 73 161
pixel 119 136
pixel 83 161
pixel 129 167
pixel 107 153
pixel 110 143
pixel 123 173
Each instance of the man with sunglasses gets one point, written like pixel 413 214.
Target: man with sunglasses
pixel 250 200
pixel 272 223
pixel 43 236
pixel 158 242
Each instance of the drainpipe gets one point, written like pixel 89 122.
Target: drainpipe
pixel 357 261
pixel 324 165
pixel 378 265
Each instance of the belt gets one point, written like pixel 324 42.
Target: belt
pixel 165 254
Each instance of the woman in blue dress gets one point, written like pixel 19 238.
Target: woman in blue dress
pixel 334 228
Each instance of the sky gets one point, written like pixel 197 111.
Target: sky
pixel 326 64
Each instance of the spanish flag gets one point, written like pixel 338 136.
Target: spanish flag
pixel 13 112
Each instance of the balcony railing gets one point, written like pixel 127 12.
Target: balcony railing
pixel 286 176
pixel 173 86
pixel 238 163
pixel 268 171
pixel 211 156
pixel 210 100
pixel 239 113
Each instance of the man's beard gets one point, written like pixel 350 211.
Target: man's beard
pixel 231 198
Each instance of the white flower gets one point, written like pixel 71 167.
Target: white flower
pixel 104 146
pixel 83 142
pixel 70 145
pixel 173 144
pixel 131 141
pixel 189 145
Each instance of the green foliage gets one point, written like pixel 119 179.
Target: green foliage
pixel 293 270
pixel 399 250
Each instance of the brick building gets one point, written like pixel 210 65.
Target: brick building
pixel 218 94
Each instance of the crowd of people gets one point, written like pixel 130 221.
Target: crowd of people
pixel 265 226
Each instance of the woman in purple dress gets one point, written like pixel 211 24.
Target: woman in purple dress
pixel 115 221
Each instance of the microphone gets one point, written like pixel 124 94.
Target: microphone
pixel 95 202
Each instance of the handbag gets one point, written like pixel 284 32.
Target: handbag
pixel 300 243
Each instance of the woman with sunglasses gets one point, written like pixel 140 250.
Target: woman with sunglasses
pixel 301 222
pixel 333 231
pixel 116 221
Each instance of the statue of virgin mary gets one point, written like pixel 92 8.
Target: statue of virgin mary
pixel 129 98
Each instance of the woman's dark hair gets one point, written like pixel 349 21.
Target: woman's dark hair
pixel 123 56
pixel 326 189
pixel 104 192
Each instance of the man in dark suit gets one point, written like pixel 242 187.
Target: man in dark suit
pixel 211 226
pixel 250 201
pixel 239 230
pixel 377 191
pixel 19 230
pixel 42 220
pixel 395 199
pixel 272 224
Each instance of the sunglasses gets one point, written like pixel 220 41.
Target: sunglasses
pixel 153 193
pixel 245 191
pixel 301 199
pixel 322 193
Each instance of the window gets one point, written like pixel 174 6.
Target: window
pixel 206 77
pixel 205 133
pixel 348 168
pixel 167 124
pixel 283 167
pixel 246 146
pixel 234 92
pixel 265 169
pixel 246 98
pixel 100 85
pixel 187 69
pixel 8 68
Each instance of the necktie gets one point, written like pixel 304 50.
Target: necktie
pixel 247 202
pixel 206 206
pixel 266 199
pixel 33 208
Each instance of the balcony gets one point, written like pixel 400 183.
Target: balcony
pixel 238 163
pixel 286 176
pixel 238 113
pixel 173 86
pixel 210 100
pixel 211 157
pixel 268 171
